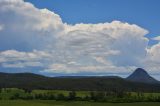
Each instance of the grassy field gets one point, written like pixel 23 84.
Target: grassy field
pixel 61 103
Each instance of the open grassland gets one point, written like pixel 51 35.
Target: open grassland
pixel 62 103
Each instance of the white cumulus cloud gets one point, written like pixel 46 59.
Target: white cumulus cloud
pixel 35 37
pixel 156 38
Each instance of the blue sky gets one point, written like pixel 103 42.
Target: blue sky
pixel 80 37
pixel 144 13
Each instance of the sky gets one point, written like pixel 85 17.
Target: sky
pixel 144 13
pixel 80 37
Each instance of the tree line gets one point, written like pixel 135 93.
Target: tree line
pixel 94 96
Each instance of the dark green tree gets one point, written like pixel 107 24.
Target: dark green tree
pixel 72 95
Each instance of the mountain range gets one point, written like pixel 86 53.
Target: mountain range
pixel 140 80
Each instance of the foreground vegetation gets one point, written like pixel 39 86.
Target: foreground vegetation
pixel 73 103
pixel 117 96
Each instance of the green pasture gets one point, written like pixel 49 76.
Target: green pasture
pixel 62 103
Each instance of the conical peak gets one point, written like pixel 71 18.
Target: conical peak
pixel 140 75
pixel 140 70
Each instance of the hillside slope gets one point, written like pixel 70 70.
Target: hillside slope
pixel 33 81
pixel 140 75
